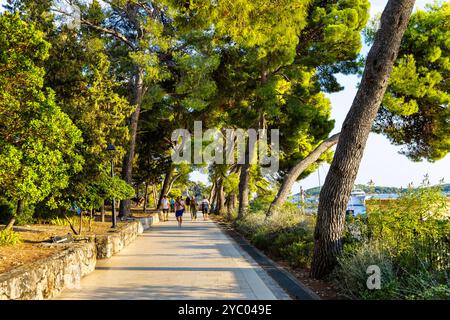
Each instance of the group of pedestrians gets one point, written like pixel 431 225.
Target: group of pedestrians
pixel 180 206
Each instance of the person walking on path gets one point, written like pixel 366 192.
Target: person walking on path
pixel 188 205
pixel 172 205
pixel 179 210
pixel 165 208
pixel 205 208
pixel 193 209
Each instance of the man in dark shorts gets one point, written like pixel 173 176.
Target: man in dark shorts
pixel 179 210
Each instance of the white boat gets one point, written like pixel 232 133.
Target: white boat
pixel 357 202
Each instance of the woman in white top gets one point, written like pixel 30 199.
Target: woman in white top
pixel 165 208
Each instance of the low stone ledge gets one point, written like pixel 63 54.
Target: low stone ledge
pixel 148 221
pixel 110 244
pixel 47 277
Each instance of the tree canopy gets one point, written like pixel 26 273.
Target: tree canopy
pixel 38 142
pixel 415 112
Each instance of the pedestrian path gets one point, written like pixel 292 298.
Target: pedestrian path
pixel 196 261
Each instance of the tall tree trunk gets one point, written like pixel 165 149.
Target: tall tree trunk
pixel 298 169
pixel 355 131
pixel 214 199
pixel 19 211
pixel 127 172
pixel 220 198
pixel 155 196
pixel 212 193
pixel 231 205
pixel 136 191
pixel 172 181
pixel 244 178
pixel 145 197
pixel 166 183
pixel 103 211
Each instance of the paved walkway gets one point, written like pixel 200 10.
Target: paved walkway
pixel 197 261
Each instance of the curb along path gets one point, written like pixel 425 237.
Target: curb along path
pixel 197 261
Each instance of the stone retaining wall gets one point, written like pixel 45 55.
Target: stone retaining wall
pixel 46 278
pixel 148 222
pixel 110 244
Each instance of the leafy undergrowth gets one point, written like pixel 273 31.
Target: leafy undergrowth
pixel 9 237
pixel 407 240
pixel 287 234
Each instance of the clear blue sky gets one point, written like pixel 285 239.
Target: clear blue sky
pixel 381 162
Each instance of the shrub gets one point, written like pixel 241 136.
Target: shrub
pixel 412 247
pixel 419 214
pixel 351 278
pixel 287 234
pixel 250 224
pixel 8 237
pixel 299 253
pixel 425 285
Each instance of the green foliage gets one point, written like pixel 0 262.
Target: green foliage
pixel 231 183
pixel 408 239
pixel 74 220
pixel 426 285
pixel 415 110
pixel 37 140
pixel 287 234
pixel 351 276
pixel 9 238
pixel 263 199
pixel 418 214
pixel 92 194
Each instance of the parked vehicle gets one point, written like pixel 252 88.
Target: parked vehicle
pixel 357 203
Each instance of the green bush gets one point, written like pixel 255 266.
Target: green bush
pixel 9 238
pixel 287 234
pixel 409 241
pixel 419 214
pixel 426 285
pixel 299 253
pixel 250 224
pixel 351 278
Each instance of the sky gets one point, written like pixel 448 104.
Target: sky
pixel 381 161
